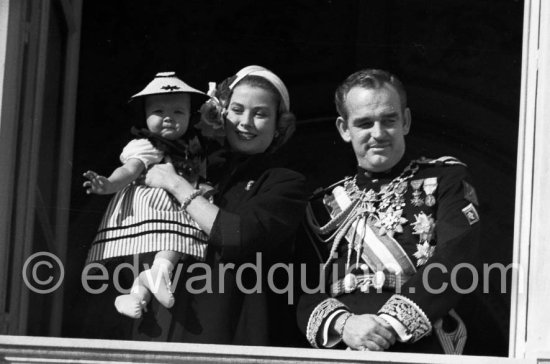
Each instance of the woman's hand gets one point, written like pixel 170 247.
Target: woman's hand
pixel 368 332
pixel 201 210
pixel 162 176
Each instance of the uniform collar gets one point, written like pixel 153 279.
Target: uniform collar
pixel 365 177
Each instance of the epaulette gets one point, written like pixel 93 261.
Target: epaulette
pixel 322 191
pixel 446 160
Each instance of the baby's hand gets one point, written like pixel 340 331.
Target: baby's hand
pixel 97 184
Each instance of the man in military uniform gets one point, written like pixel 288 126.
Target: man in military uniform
pixel 400 235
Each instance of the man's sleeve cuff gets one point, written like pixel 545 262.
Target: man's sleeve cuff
pixel 318 317
pixel 329 339
pixel 409 315
pixel 398 327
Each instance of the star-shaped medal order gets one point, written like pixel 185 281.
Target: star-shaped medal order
pixel 423 253
pixel 423 226
pixel 390 222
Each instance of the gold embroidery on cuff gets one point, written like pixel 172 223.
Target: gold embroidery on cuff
pixel 409 314
pixel 322 311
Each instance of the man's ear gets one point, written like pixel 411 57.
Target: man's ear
pixel 342 126
pixel 407 119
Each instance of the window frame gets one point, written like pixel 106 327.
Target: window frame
pixel 528 334
pixel 528 316
pixel 25 26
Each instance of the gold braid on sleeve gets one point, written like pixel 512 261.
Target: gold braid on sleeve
pixel 409 314
pixel 318 316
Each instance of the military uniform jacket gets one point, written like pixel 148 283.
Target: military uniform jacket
pixel 261 207
pixel 437 238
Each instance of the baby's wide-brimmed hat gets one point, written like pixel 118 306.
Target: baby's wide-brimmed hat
pixel 167 83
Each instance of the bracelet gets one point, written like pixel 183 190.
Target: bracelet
pixel 341 323
pixel 185 203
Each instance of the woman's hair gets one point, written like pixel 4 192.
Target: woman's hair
pixel 260 82
pixel 286 121
pixel 214 110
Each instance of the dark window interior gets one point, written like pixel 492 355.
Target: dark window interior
pixel 460 61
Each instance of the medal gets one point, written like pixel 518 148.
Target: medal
pixel 390 222
pixel 430 200
pixel 416 200
pixel 401 188
pixel 430 185
pixel 423 226
pixel 423 253
pixel 370 199
pixel 399 200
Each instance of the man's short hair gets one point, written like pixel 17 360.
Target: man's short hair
pixel 370 79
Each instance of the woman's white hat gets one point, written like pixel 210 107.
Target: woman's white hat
pixel 268 75
pixel 166 83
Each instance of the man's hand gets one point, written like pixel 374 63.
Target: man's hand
pixel 97 184
pixel 368 331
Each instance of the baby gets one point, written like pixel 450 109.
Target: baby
pixel 140 219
